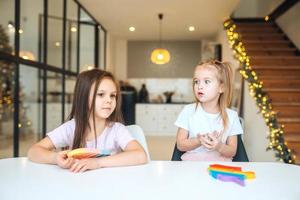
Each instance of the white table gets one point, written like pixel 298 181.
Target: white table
pixel 22 179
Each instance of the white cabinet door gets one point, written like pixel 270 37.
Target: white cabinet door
pixel 168 118
pixel 158 119
pixel 146 117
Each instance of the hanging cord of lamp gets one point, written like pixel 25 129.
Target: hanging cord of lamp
pixel 160 55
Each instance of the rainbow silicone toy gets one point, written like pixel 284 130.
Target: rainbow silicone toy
pixel 82 153
pixel 230 174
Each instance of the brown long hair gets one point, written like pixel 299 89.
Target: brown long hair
pixel 81 111
pixel 224 76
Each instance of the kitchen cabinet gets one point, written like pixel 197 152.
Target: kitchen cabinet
pixel 158 119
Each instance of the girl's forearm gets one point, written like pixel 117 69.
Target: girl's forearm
pixel 41 155
pixel 226 150
pixel 134 157
pixel 188 144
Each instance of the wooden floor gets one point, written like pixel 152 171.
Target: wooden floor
pixel 161 147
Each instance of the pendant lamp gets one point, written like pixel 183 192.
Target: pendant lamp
pixel 160 55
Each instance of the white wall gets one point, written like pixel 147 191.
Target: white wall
pixel 255 8
pixel 290 25
pixel 110 53
pixel 256 131
pixel 246 8
pixel 121 59
pixel 266 7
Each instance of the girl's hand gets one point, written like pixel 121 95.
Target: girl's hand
pixel 202 138
pixel 213 143
pixel 215 134
pixel 63 161
pixel 85 164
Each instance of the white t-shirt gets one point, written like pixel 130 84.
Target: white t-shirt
pixel 196 120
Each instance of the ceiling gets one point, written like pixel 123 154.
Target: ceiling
pixel 118 15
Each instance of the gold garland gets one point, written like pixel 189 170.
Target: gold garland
pixel 276 131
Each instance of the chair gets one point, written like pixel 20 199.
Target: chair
pixel 137 132
pixel 240 156
pixel 176 156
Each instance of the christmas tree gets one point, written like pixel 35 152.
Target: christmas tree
pixel 6 79
pixel 7 91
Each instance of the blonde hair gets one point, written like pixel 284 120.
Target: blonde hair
pixel 224 76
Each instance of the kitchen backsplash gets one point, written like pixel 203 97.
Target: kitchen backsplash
pixel 182 88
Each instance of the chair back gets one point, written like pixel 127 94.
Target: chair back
pixel 176 156
pixel 138 133
pixel 241 154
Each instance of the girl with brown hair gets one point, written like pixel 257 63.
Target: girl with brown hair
pixel 94 122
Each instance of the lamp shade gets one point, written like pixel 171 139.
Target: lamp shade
pixel 160 56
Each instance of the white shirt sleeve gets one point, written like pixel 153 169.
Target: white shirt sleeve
pixel 183 118
pixel 236 127
pixel 63 135
pixel 123 137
